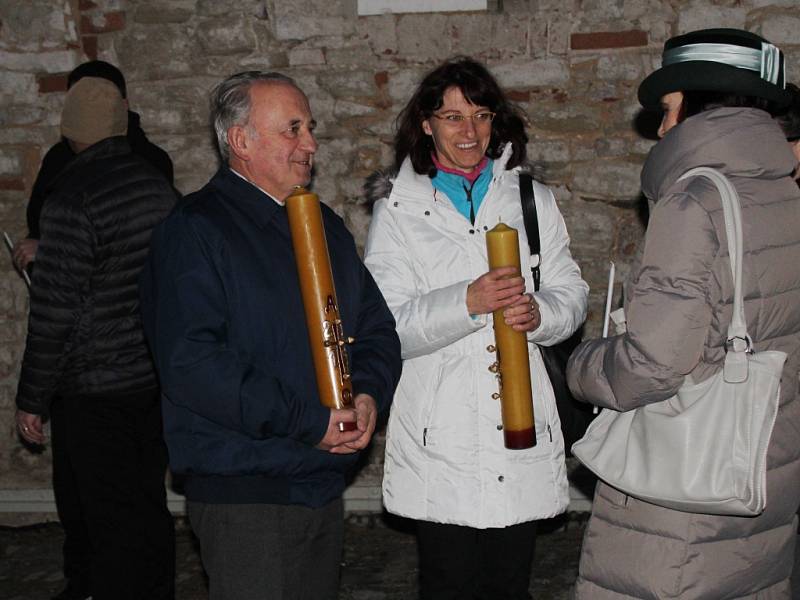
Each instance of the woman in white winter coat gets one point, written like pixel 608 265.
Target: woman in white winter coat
pixel 459 149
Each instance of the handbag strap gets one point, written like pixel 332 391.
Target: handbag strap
pixel 739 343
pixel 531 220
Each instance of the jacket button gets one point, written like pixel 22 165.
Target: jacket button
pixel 499 428
pixel 472 231
pixel 485 228
pixel 501 479
pixel 427 213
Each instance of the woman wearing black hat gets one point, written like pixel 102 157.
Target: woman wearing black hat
pixel 719 90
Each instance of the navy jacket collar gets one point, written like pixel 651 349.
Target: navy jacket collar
pixel 258 205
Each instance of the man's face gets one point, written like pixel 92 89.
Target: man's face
pixel 279 139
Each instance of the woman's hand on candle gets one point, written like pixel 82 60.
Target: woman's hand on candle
pixel 494 290
pixel 524 314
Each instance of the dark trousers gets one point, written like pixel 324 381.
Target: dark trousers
pixel 117 459
pixel 76 550
pixel 463 563
pixel 270 551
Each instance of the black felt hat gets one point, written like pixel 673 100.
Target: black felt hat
pixel 718 60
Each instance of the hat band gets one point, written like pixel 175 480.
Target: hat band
pixel 766 62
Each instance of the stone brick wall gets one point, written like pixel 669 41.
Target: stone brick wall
pixel 572 65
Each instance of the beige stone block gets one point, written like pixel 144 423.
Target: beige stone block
pixel 781 28
pixel 615 181
pixel 599 11
pixel 567 118
pixel 358 55
pixel 162 51
pixel 34 136
pixel 195 160
pixel 542 150
pixel 591 230
pixel 559 29
pixel 650 11
pixel 334 157
pixel 175 11
pixel 472 34
pixel 700 14
pixel 348 84
pixel 772 3
pixel 352 187
pixel 370 157
pixel 423 37
pixel 627 67
pixel 33 25
pixel 303 19
pixel 532 73
pixel 612 147
pixel 512 36
pixel 306 56
pixel 345 109
pixel 380 32
pixel 175 108
pixel 402 83
pixel 325 187
pixel 357 218
pixel 273 60
pixel 19 87
pixel 231 35
pixel 792 63
pixel 56 61
pixel 11 161
pixel 12 329
pixel 562 6
pixel 217 8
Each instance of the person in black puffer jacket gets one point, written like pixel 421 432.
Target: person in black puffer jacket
pixel 76 539
pixel 61 153
pixel 86 345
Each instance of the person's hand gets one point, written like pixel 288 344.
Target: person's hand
pixel 335 440
pixel 367 416
pixel 30 427
pixel 524 314
pixel 496 289
pixel 25 252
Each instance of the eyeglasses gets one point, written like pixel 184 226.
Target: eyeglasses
pixel 483 117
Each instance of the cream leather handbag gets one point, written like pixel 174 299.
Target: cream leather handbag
pixel 703 450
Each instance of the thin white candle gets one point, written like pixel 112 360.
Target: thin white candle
pixel 609 298
pixel 10 245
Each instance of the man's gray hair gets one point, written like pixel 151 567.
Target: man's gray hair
pixel 230 103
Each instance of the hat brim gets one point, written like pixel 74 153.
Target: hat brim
pixel 702 75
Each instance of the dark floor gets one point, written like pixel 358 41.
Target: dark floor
pixel 380 561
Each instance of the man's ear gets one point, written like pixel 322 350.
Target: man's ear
pixel 239 142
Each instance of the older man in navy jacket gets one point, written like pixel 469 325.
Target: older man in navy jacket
pixel 265 462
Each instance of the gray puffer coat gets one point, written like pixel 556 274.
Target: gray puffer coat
pixel 678 305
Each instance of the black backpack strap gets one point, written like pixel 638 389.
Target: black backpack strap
pixel 531 220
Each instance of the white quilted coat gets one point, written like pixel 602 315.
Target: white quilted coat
pixel 445 459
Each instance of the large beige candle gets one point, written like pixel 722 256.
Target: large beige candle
pixel 514 378
pixel 319 301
